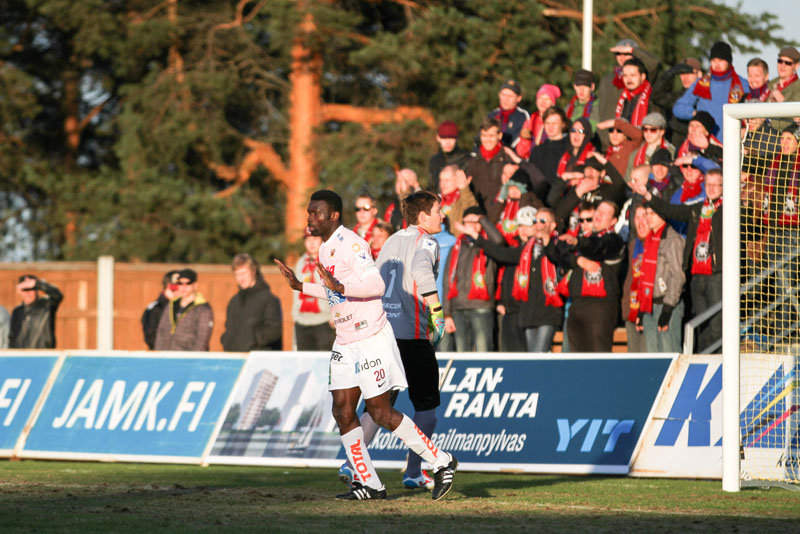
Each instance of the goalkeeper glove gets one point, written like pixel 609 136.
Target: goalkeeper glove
pixel 436 324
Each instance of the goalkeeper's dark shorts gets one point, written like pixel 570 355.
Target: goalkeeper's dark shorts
pixel 422 373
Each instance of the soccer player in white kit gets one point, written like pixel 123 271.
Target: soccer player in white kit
pixel 365 359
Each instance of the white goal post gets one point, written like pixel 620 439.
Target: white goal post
pixel 734 400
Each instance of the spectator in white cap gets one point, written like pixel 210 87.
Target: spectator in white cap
pixel 654 126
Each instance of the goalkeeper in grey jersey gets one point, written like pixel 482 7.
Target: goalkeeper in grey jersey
pixel 408 263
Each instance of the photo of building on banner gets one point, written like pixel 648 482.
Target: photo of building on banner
pixel 545 414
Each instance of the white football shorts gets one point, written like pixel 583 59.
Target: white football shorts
pixel 372 364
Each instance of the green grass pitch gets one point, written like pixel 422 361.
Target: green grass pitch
pixel 40 496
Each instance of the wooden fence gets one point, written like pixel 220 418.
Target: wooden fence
pixel 138 284
pixel 135 286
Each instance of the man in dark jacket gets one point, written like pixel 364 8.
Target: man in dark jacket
pixel 188 321
pixel 152 314
pixel 33 323
pixel 253 319
pixel 594 282
pixel 449 153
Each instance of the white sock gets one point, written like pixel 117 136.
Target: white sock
pixel 370 428
pixel 357 454
pixel 418 442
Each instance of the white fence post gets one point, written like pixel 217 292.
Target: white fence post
pixel 105 303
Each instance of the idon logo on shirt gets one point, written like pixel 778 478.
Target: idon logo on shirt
pixel 367 364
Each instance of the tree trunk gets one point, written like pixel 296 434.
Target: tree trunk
pixel 305 116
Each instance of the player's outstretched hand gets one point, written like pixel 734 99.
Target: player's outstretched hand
pixel 287 273
pixel 327 278
pixel 436 324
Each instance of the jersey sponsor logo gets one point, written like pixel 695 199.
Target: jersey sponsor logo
pixel 333 251
pixel 368 364
pixel 336 356
pixel 381 384
pixel 356 247
pixel 429 244
pixel 361 324
pixel 334 297
pixel 343 319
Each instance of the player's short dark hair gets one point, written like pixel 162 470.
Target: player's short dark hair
pixel 332 199
pixel 416 203
pixel 585 206
pixel 636 62
pixel 490 122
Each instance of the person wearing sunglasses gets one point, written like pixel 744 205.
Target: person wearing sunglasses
pixel 33 323
pixel 719 87
pixel 654 127
pixel 366 211
pixel 785 88
pixel 593 265
pixel 187 323
pixel 624 139
pixel 152 314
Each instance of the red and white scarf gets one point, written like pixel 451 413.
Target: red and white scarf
pixel 309 304
pixel 636 276
pixel 702 88
pixel 594 284
pixel 477 288
pixel 569 157
pixel 687 147
pixel 783 85
pixel 448 200
pixel 647 282
pixel 587 109
pixel 701 254
pixel 489 154
pixel 508 222
pixel 641 155
pixel 641 106
pixel 366 234
pixel 522 277
pixel 691 190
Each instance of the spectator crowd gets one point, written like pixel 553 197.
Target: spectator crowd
pixel 602 208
